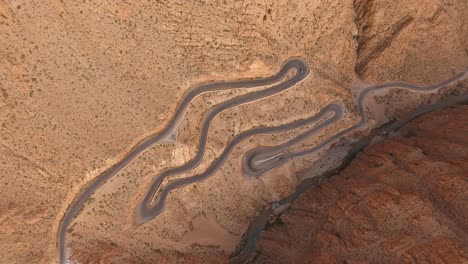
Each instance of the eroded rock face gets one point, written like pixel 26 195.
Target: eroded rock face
pixel 402 200
pixel 407 39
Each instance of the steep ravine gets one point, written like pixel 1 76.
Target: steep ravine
pixel 401 200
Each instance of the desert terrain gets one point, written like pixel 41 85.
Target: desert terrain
pixel 82 83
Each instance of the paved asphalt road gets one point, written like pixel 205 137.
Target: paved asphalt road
pixel 261 159
pixel 256 161
pixel 169 132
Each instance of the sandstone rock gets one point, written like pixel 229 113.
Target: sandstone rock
pixel 402 200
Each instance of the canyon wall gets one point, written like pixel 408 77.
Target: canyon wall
pixel 401 200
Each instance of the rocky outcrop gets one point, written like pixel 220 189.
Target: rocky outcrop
pixel 405 40
pixel 402 200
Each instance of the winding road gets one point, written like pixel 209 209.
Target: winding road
pixel 256 161
pixel 301 70
pixel 262 159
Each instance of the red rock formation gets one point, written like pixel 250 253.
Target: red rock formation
pixel 402 200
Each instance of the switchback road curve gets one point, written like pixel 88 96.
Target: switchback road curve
pixel 262 159
pixel 255 162
pixel 280 83
pixel 147 210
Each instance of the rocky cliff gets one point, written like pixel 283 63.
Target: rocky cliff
pixel 401 200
